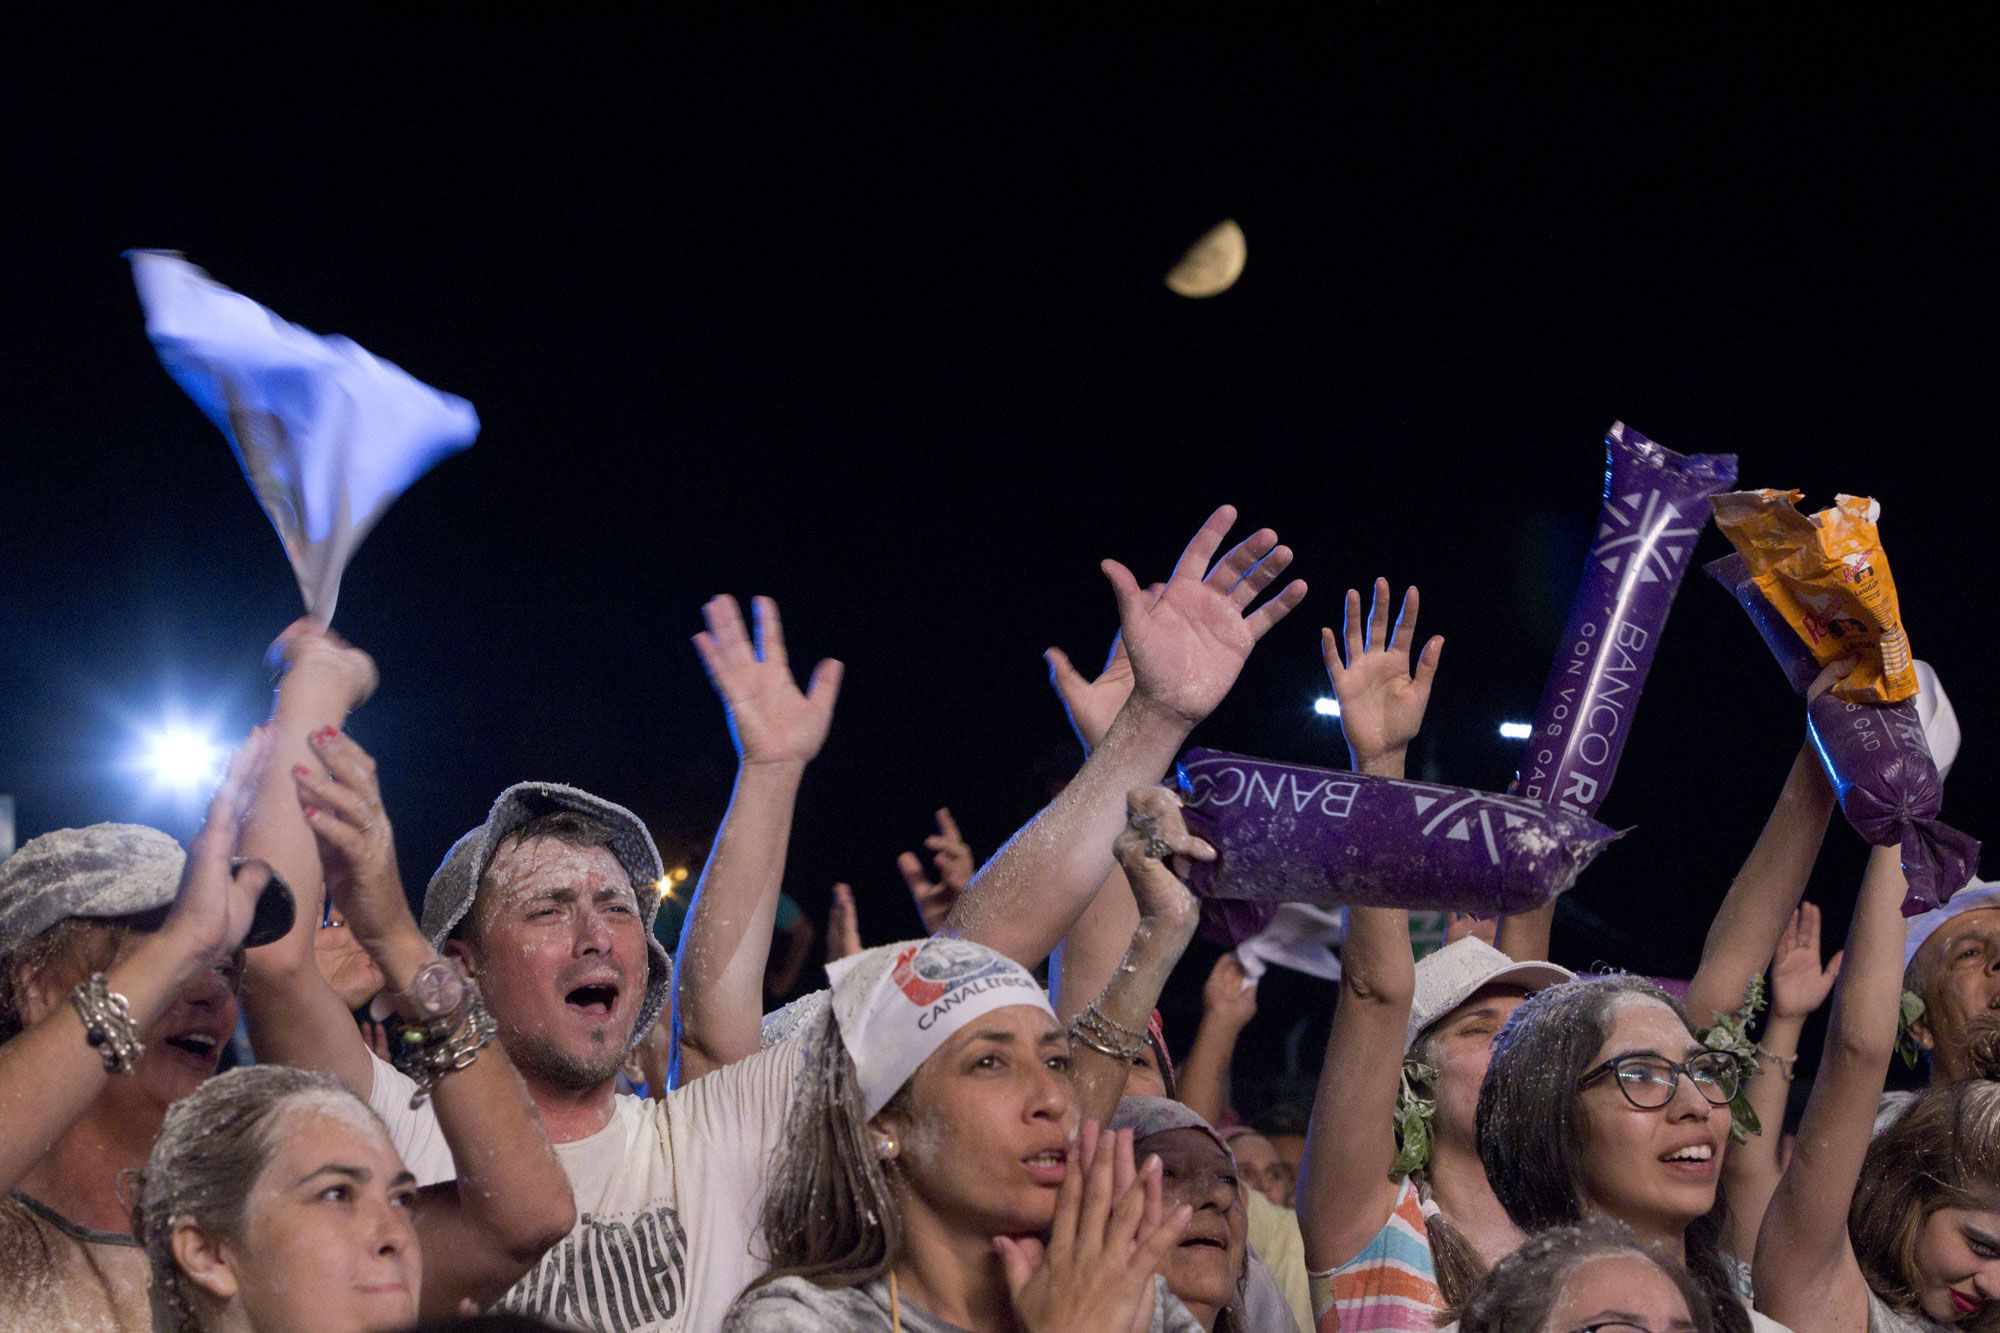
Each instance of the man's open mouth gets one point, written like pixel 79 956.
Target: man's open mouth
pixel 596 1001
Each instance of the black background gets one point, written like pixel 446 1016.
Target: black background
pixel 869 317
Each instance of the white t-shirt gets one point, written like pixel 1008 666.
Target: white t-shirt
pixel 667 1197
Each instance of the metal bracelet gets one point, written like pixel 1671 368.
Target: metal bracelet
pixel 425 1056
pixel 1786 1064
pixel 107 1023
pixel 1107 1035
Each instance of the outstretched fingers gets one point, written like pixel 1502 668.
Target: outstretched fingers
pixel 1406 619
pixel 770 631
pixel 215 843
pixel 1237 563
pixel 1201 549
pixel 823 686
pixel 1260 621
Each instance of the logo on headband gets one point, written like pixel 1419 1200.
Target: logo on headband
pixel 927 972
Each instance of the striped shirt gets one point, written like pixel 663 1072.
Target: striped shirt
pixel 1391 1285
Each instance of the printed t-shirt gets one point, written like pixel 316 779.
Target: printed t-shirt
pixel 58 1276
pixel 1390 1285
pixel 668 1195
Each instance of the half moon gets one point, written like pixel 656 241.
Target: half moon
pixel 1212 264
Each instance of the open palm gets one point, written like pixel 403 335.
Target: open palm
pixel 1382 701
pixel 1188 644
pixel 770 720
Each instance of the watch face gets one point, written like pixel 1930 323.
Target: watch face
pixel 436 989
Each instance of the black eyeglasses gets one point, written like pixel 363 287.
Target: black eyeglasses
pixel 1650 1081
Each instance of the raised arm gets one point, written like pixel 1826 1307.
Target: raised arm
pixel 1806 1273
pixel 719 972
pixel 293 1016
pixel 1228 1003
pixel 49 1073
pixel 1799 985
pixel 1345 1192
pixel 1758 905
pixel 1110 1034
pixel 510 1201
pixel 1180 648
pixel 951 855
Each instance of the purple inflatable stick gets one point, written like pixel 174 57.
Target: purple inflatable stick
pixel 1655 503
pixel 1876 756
pixel 1291 833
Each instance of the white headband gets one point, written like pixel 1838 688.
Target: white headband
pixel 897 1004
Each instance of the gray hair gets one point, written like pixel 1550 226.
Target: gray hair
pixel 214 1145
pixel 1522 1290
pixel 831 1216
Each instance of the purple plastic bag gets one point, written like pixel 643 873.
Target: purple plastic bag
pixel 1655 503
pixel 1290 833
pixel 1733 573
pixel 1889 790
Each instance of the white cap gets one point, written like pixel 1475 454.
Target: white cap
pixel 1979 893
pixel 1940 720
pixel 898 1003
pixel 1452 975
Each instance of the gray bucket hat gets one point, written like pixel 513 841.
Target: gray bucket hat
pixel 449 895
pixel 104 870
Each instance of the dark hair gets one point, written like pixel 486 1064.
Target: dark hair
pixel 1457 1266
pixel 1522 1290
pixel 1944 1152
pixel 1532 1127
pixel 1282 1118
pixel 71 949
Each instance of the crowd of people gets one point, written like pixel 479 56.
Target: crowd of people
pixel 513 1107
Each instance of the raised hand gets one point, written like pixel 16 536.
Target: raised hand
pixel 356 844
pixel 1109 1237
pixel 1381 702
pixel 350 973
pixel 214 907
pixel 843 926
pixel 770 721
pixel 952 857
pixel 1188 645
pixel 1799 985
pixel 312 658
pixel 1091 704
pixel 1154 833
pixel 1229 996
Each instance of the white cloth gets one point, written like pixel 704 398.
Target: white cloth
pixel 1301 936
pixel 897 1003
pixel 328 435
pixel 668 1196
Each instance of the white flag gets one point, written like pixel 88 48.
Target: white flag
pixel 328 434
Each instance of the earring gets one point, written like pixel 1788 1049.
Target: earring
pixel 885 1147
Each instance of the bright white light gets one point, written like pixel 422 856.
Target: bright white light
pixel 1515 731
pixel 1327 707
pixel 183 759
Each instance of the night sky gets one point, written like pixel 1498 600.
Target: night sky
pixel 870 318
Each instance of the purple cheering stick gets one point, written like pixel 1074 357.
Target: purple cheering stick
pixel 1655 503
pixel 1290 833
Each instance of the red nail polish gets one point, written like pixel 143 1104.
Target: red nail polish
pixel 312 812
pixel 300 770
pixel 324 734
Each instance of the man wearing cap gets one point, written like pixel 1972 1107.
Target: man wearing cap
pixel 118 957
pixel 549 905
pixel 1952 964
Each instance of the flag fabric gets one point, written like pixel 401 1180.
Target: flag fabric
pixel 327 433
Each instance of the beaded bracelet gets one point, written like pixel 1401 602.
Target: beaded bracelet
pixel 107 1023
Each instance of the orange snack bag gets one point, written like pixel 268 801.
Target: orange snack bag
pixel 1828 577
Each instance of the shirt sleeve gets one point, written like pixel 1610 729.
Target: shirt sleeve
pixel 1390 1285
pixel 416 1134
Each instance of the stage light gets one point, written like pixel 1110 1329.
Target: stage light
pixel 1326 707
pixel 183 759
pixel 1515 731
pixel 673 879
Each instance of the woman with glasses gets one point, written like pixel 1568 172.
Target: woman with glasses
pixel 1595 1277
pixel 1600 1102
pixel 1901 1232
